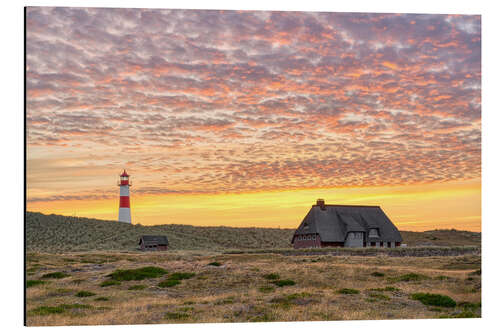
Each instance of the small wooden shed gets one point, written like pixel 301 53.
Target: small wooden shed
pixel 153 243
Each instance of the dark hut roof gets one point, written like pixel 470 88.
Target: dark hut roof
pixel 153 240
pixel 334 222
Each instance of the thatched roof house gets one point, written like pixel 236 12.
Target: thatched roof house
pixel 345 225
pixel 153 243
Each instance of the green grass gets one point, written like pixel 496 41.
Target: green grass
pixel 408 277
pixel 48 310
pixel 137 274
pixel 33 283
pixel 55 275
pixel 108 283
pixel 215 263
pixel 388 288
pixel 282 283
pixel 137 287
pixel 84 293
pixel 347 291
pixel 272 276
pixel 176 315
pixel 434 299
pixel 267 289
pixel 168 283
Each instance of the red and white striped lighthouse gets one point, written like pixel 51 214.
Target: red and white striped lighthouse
pixel 124 210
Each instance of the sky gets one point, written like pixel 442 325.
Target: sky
pixel 245 118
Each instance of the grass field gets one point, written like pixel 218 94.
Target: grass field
pixel 61 234
pixel 92 288
pixel 89 272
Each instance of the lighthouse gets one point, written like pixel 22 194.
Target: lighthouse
pixel 124 210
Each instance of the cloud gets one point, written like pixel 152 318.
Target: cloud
pixel 200 101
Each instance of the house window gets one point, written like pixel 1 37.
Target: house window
pixel 373 233
pixel 381 244
pixel 308 237
pixel 313 237
pixel 372 244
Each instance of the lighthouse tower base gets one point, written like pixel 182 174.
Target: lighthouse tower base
pixel 124 215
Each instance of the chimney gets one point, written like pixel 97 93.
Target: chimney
pixel 321 204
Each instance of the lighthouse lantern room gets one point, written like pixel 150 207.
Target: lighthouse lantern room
pixel 124 210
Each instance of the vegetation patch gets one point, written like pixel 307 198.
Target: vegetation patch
pixel 227 300
pixel 137 287
pixel 282 283
pixel 110 283
pixel 267 289
pixel 377 274
pixel 176 315
pixel 215 263
pixel 84 293
pixel 102 299
pixel 434 299
pixel 347 291
pixel 442 278
pixel 48 310
pixel 138 274
pixel 55 275
pixel 469 305
pixel 388 288
pixel 408 277
pixel 272 276
pixel 33 283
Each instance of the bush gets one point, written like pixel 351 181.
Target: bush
pixel 110 283
pixel 84 293
pixel 168 283
pixel 32 283
pixel 434 299
pixel 377 274
pixel 102 299
pixel 272 276
pixel 55 275
pixel 215 263
pixel 282 283
pixel 409 277
pixel 348 291
pixel 137 274
pixel 137 287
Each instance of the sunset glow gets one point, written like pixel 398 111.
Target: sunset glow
pixel 245 118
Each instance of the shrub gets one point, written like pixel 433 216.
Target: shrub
pixel 434 299
pixel 180 276
pixel 32 283
pixel 84 293
pixel 377 274
pixel 348 291
pixel 408 277
pixel 272 276
pixel 215 263
pixel 110 283
pixel 55 275
pixel 282 283
pixel 137 274
pixel 137 287
pixel 168 283
pixel 379 296
pixel 102 299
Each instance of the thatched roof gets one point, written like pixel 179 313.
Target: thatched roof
pixel 333 222
pixel 153 240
